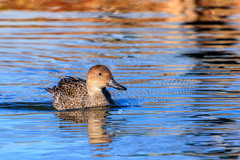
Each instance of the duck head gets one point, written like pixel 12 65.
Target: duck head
pixel 98 77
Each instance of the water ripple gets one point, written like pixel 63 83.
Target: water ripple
pixel 181 69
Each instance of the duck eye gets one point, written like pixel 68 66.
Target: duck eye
pixel 100 74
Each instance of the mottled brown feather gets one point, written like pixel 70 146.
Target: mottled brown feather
pixel 72 93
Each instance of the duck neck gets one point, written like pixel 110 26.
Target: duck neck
pixel 93 91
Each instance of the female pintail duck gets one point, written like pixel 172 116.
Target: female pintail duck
pixel 72 93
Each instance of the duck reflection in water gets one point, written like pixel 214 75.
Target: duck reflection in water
pixel 92 117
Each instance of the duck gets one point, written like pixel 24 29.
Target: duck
pixel 74 93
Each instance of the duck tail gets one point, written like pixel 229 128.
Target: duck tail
pixel 50 90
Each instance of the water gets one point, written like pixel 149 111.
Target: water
pixel 179 61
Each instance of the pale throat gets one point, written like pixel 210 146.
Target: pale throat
pixel 93 90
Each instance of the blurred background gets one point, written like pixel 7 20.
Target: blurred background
pixel 179 60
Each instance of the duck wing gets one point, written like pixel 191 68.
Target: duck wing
pixel 69 86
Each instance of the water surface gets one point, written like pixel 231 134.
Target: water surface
pixel 180 65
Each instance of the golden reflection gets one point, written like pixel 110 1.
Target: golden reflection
pixel 171 6
pixel 215 97
pixel 113 7
pixel 174 7
pixel 92 117
pixel 114 17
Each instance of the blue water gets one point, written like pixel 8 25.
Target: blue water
pixel 182 76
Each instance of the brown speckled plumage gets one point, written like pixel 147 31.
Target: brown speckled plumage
pixel 72 93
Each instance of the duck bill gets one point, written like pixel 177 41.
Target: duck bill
pixel 112 83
